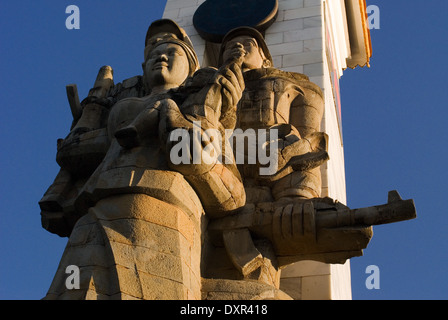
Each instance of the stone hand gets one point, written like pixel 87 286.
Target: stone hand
pixel 187 137
pixel 293 152
pixel 236 54
pixel 144 125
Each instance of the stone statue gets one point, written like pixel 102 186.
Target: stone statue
pixel 156 200
pixel 282 220
pixel 141 223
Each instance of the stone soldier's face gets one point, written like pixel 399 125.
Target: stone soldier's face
pixel 253 58
pixel 166 64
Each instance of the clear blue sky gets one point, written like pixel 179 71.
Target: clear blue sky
pixel 394 124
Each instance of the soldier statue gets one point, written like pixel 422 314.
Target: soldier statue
pixel 145 219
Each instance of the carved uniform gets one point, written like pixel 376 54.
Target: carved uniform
pixel 141 233
pixel 273 97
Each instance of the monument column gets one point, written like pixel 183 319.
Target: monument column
pixel 319 38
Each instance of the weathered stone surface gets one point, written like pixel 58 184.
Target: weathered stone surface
pixel 214 289
pixel 146 220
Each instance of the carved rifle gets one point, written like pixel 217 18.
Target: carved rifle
pixel 317 229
